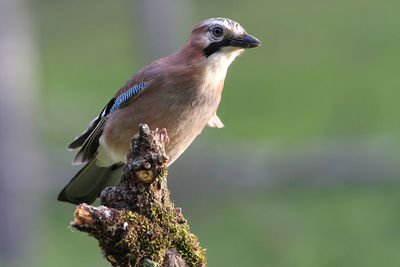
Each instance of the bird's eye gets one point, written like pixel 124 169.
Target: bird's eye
pixel 217 31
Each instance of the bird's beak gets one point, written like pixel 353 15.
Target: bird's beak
pixel 247 41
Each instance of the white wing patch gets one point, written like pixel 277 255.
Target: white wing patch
pixel 215 122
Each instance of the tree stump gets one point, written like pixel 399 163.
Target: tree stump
pixel 137 224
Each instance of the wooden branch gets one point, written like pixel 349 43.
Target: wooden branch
pixel 137 224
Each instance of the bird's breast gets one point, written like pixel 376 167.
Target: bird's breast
pixel 188 114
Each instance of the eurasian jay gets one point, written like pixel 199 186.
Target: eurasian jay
pixel 180 93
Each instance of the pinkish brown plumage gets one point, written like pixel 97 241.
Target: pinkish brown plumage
pixel 181 94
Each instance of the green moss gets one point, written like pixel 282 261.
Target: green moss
pixel 150 237
pixel 163 173
pixel 145 237
pixel 180 235
pixel 148 263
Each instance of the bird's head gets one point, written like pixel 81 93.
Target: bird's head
pixel 221 38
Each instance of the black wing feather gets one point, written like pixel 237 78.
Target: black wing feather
pixel 89 139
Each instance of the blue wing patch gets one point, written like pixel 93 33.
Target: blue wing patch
pixel 121 100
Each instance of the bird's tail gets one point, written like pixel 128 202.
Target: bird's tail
pixel 88 183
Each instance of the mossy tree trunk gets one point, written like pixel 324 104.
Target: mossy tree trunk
pixel 137 224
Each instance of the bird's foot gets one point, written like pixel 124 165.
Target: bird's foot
pixel 163 134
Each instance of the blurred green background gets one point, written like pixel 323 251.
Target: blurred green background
pixel 305 172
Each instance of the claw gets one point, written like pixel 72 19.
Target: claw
pixel 178 210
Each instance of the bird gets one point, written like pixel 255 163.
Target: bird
pixel 180 93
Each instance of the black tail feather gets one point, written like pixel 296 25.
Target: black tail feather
pixel 88 183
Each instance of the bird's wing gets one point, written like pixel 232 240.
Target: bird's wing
pixel 215 122
pixel 88 141
pixel 80 139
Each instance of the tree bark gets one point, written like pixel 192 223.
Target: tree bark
pixel 137 224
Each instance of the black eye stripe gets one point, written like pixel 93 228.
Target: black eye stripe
pixel 216 46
